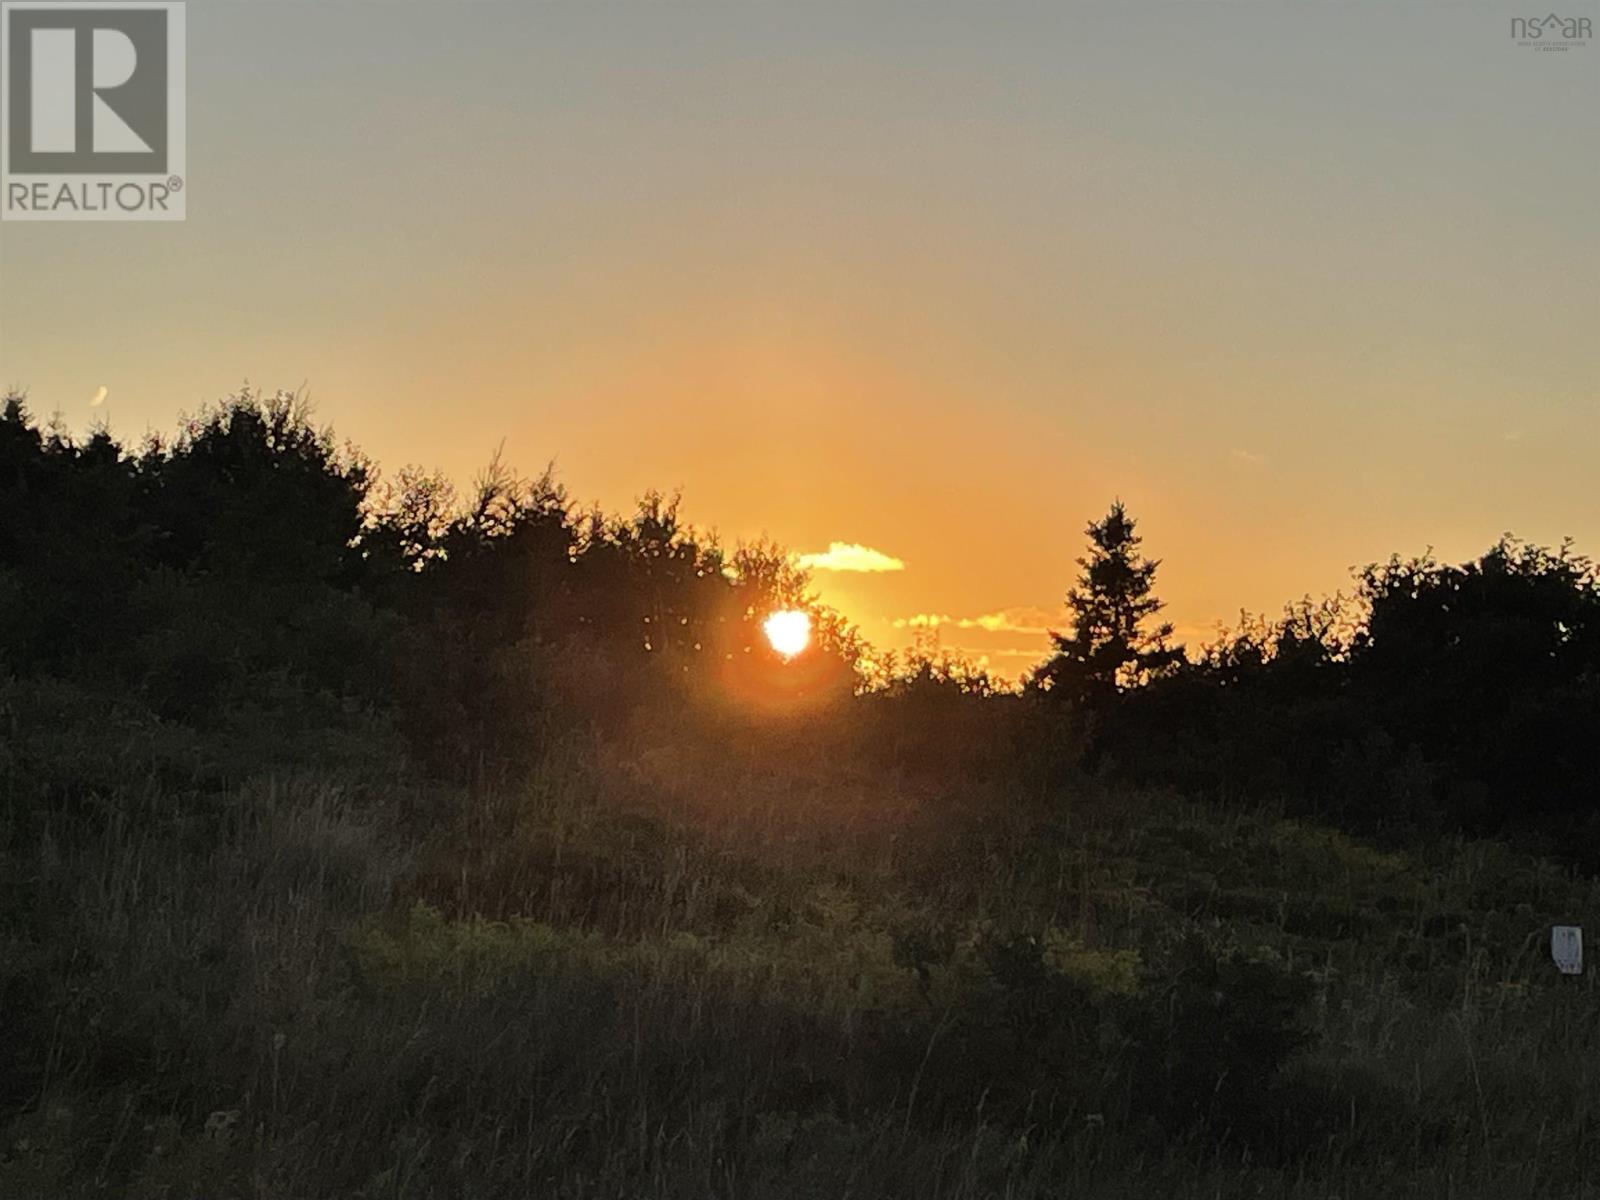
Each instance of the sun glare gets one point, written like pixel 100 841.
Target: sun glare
pixel 788 631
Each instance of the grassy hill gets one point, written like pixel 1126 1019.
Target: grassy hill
pixel 761 963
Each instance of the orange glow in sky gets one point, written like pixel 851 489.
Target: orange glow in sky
pixel 914 296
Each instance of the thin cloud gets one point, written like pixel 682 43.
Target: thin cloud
pixel 1025 618
pixel 1018 619
pixel 922 621
pixel 984 654
pixel 850 556
pixel 1248 457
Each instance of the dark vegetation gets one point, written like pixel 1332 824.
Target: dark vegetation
pixel 1462 699
pixel 360 839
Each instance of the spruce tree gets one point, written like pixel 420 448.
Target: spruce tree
pixel 1108 648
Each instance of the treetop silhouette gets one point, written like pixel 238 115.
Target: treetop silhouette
pixel 1109 646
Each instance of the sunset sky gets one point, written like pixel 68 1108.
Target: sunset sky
pixel 1303 285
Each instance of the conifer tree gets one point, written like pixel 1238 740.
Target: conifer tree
pixel 1108 647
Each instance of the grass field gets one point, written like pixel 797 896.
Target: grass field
pixel 757 964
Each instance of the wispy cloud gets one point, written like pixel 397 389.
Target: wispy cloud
pixel 850 556
pixel 1018 619
pixel 1248 457
pixel 1025 618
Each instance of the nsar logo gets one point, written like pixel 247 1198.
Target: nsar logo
pixel 1551 32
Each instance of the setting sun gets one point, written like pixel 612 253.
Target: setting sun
pixel 788 631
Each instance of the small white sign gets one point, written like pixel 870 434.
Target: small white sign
pixel 1566 947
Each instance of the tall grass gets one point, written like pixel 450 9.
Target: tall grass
pixel 761 966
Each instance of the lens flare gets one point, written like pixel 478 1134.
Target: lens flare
pixel 788 631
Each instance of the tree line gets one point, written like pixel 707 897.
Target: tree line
pixel 1461 697
pixel 254 564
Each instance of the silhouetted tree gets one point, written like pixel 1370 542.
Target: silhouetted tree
pixel 1109 647
pixel 251 490
pixel 73 538
pixel 1490 669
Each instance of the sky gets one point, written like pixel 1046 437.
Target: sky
pixel 1302 284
